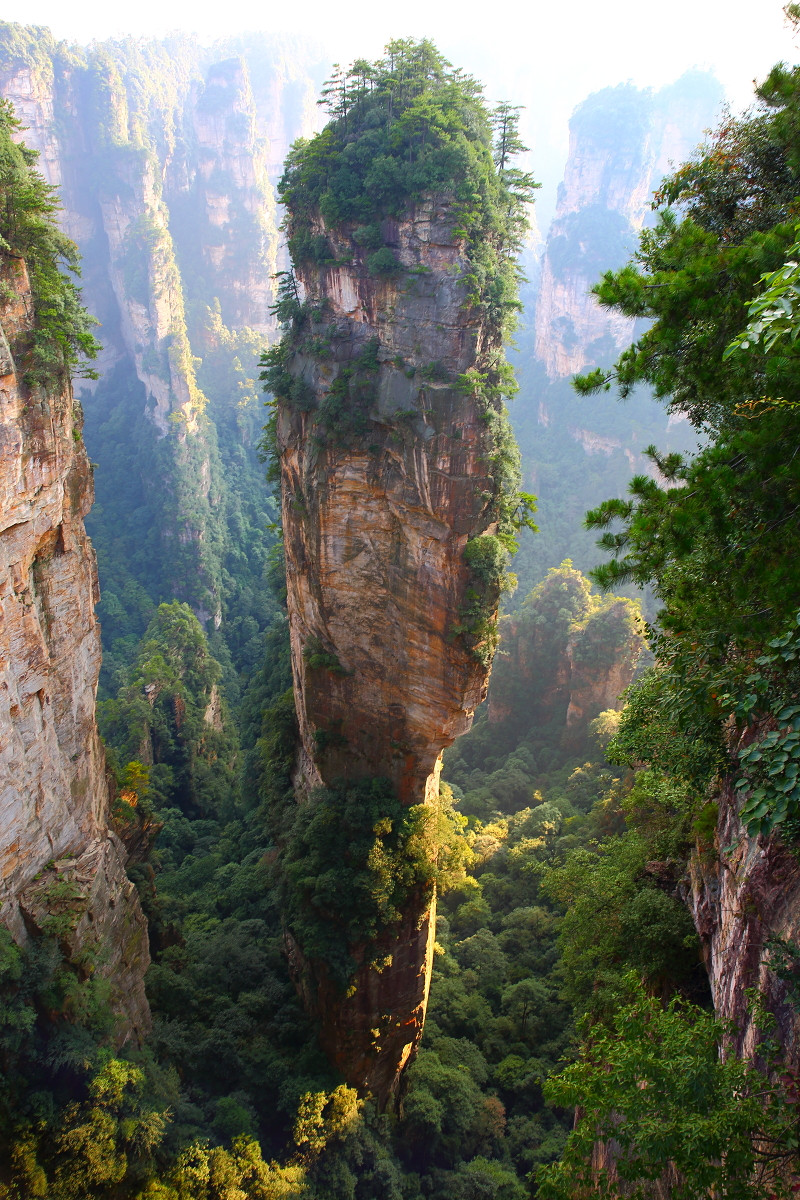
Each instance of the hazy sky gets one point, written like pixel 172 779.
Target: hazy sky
pixel 546 55
pixel 591 42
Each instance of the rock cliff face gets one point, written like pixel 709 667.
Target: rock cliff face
pixel 583 675
pixel 375 528
pixel 622 142
pixel 228 187
pixel 601 659
pixel 566 655
pixel 133 282
pixel 745 900
pixel 161 154
pixel 54 794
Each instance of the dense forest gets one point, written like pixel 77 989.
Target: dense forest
pixel 572 1047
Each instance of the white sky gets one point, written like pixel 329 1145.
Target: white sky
pixel 545 54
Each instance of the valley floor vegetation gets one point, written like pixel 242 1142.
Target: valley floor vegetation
pixel 568 971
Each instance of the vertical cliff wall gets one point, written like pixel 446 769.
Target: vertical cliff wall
pixel 376 529
pixel 161 153
pixel 622 142
pixel 745 899
pixel 54 794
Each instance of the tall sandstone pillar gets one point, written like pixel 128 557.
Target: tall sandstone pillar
pixel 378 508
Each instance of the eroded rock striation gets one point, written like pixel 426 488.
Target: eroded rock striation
pixel 375 530
pixel 54 794
pixel 378 507
pixel 162 156
pixel 744 896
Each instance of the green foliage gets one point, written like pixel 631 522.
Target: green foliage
pixel 74 1120
pixel 674 721
pixel 487 558
pixel 487 555
pixel 288 305
pixel 617 919
pixel 729 504
pixel 771 762
pixel 730 508
pixel 384 262
pixel 320 659
pixel 353 856
pixel 773 312
pixel 402 127
pixel 27 46
pixel 655 1086
pixel 342 414
pixel 61 337
pixel 512 509
pixel 664 724
pixel 170 708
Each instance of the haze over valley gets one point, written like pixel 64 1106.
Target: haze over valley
pixel 399 707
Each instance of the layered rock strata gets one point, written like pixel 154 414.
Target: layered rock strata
pixel 161 154
pixel 745 899
pixel 54 794
pixel 376 516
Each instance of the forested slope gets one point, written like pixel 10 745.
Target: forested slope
pixel 622 885
pixel 165 155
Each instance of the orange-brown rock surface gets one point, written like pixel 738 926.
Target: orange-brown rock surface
pixel 54 793
pixel 371 1033
pixel 375 528
pixel 745 900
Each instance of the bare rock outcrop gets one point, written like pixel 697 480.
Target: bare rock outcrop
pixel 745 900
pixel 54 794
pixel 375 529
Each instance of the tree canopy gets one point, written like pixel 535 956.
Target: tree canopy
pixel 716 533
pixel 61 339
pixel 403 126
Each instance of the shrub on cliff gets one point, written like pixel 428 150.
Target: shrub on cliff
pixel 656 1089
pixel 353 854
pixel 401 127
pixel 61 339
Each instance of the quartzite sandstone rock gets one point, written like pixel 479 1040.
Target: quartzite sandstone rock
pixel 53 790
pixel 745 893
pixel 534 681
pixel 375 528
